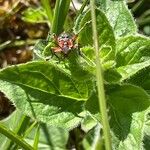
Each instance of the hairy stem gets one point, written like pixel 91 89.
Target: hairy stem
pixel 11 135
pixel 100 82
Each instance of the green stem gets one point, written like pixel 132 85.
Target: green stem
pixel 100 83
pixel 48 10
pixel 137 5
pixel 144 21
pixel 36 138
pixel 11 135
pixel 145 14
pixel 20 129
pixel 82 8
pixel 29 129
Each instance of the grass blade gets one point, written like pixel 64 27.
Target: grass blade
pixel 60 13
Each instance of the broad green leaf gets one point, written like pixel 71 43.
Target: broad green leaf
pixel 45 76
pixel 52 109
pixel 47 91
pixel 128 105
pixel 84 27
pixel 127 108
pixel 34 15
pixel 133 97
pixel 130 70
pixel 119 17
pixel 132 49
pixel 106 37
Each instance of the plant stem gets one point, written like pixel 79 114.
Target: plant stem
pixel 137 5
pixel 100 83
pixel 36 138
pixel 19 130
pixel 29 129
pixel 48 10
pixel 82 8
pixel 11 135
pixel 143 21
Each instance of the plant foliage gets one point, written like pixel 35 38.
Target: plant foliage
pixel 62 93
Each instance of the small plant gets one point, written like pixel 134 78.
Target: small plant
pixel 59 96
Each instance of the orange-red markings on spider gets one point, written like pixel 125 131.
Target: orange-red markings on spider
pixel 65 42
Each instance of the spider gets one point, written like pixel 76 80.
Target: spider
pixel 65 42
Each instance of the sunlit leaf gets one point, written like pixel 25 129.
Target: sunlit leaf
pixel 119 17
pixel 132 49
pixel 46 92
pixel 128 105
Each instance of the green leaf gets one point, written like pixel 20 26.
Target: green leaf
pixel 88 123
pixel 60 13
pixel 42 49
pixel 128 105
pixel 134 98
pixel 80 68
pixel 45 91
pixel 106 37
pixel 34 15
pixel 127 108
pixel 112 76
pixel 92 105
pixel 47 77
pixel 142 79
pixel 52 109
pixel 119 17
pixel 132 49
pixel 129 71
pixel 84 28
pixel 77 65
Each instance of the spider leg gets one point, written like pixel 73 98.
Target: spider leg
pixel 74 37
pixel 56 49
